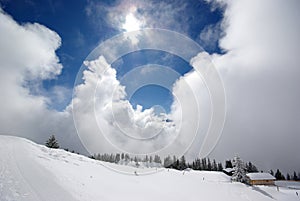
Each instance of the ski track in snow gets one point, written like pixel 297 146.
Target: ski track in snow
pixel 24 180
pixel 31 172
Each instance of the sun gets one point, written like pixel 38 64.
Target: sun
pixel 131 23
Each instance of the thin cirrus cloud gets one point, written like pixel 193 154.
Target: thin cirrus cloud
pixel 148 14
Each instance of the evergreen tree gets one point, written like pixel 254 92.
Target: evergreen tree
pixel 52 142
pixel 295 176
pixel 194 165
pixel 271 172
pixel 168 161
pixel 127 158
pixel 177 164
pixel 136 160
pixel 239 170
pixel 214 166
pixel 279 175
pixel 288 177
pixel 209 166
pixel 157 159
pixel 150 159
pixel 198 164
pixel 228 164
pixel 146 159
pixel 220 167
pixel 111 158
pixel 118 158
pixel 182 164
pixel 204 165
pixel 251 168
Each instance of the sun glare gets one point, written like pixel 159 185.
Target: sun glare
pixel 131 23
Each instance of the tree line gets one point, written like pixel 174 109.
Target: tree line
pixel 279 176
pixel 173 162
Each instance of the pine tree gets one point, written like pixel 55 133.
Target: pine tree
pixel 174 162
pixel 198 164
pixel 239 173
pixel 52 142
pixel 228 164
pixel 127 158
pixel 150 159
pixel 209 166
pixel 111 158
pixel 168 161
pixel 136 160
pixel 214 166
pixel 177 164
pixel 157 159
pixel 288 177
pixel 251 168
pixel 182 164
pixel 279 175
pixel 147 159
pixel 204 165
pixel 295 176
pixel 220 167
pixel 118 158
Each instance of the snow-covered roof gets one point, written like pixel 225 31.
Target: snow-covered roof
pixel 228 169
pixel 260 176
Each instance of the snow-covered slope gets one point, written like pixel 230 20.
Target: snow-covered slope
pixel 33 172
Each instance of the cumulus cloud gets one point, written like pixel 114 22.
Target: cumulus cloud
pixel 27 57
pixel 105 120
pixel 260 71
pixel 104 116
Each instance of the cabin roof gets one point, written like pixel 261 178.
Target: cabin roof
pixel 260 176
pixel 228 170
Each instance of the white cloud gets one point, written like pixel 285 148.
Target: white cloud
pixel 210 35
pixel 113 125
pixel 260 71
pixel 193 111
pixel 37 62
pixel 27 57
pixel 30 58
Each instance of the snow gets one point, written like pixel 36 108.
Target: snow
pixel 228 170
pixel 31 172
pixel 260 176
pixel 289 184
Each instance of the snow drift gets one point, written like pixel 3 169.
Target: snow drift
pixel 31 172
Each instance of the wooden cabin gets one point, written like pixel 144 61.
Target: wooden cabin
pixel 260 178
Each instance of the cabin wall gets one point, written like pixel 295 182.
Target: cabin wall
pixel 262 182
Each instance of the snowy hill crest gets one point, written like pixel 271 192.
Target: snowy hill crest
pixel 31 172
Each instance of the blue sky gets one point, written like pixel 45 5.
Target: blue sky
pixel 253 44
pixel 82 25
